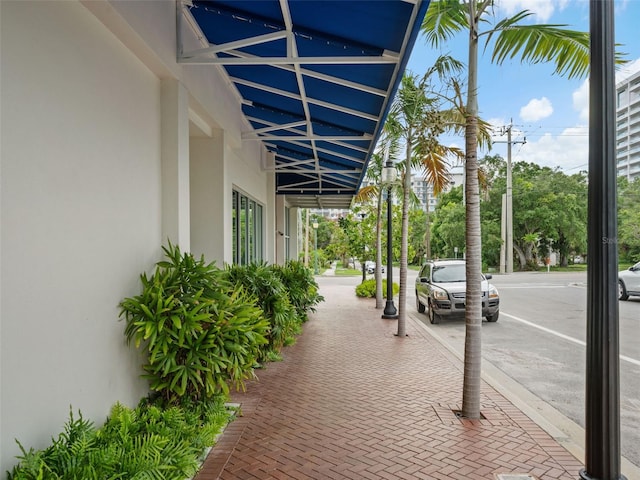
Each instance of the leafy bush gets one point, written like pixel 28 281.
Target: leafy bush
pixel 302 287
pixel 368 288
pixel 199 331
pixel 272 296
pixel 153 441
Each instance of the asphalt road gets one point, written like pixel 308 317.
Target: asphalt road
pixel 539 341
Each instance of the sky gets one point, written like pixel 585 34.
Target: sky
pixel 548 111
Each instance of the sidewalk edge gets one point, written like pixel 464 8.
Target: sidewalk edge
pixel 565 431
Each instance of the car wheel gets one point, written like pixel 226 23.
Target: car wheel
pixel 434 318
pixel 421 308
pixel 494 317
pixel 622 291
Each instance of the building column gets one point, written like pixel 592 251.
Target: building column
pixel 294 217
pixel 280 211
pixel 174 105
pixel 273 217
pixel 209 200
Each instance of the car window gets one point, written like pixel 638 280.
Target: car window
pixel 449 273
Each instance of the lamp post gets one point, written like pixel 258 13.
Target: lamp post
pixel 388 177
pixel 315 247
pixel 364 247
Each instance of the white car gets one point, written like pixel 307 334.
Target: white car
pixel 371 267
pixel 629 282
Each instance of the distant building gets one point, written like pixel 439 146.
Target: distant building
pixel 420 187
pixel 424 190
pixel 628 127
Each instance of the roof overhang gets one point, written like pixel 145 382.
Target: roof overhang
pixel 315 78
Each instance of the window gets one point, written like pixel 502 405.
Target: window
pixel 247 232
pixel 622 98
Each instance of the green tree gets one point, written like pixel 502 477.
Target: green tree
pixel 416 119
pixel 372 193
pixel 449 226
pixel 338 245
pixel 629 219
pixel 549 210
pixel 509 38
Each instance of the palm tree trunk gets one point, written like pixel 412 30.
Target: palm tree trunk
pixel 402 294
pixel 427 232
pixel 473 314
pixel 378 274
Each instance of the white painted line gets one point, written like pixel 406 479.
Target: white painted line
pixel 508 287
pixel 563 336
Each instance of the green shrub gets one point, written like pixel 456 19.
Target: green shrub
pixel 272 296
pixel 153 441
pixel 199 332
pixel 302 287
pixel 367 288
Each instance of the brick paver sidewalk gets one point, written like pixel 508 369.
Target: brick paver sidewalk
pixel 353 401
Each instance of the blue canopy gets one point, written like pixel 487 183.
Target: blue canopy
pixel 316 78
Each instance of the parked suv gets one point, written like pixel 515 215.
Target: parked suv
pixel 629 282
pixel 371 267
pixel 441 289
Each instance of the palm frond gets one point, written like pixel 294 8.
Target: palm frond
pixel 445 66
pixel 444 19
pixel 366 194
pixel 436 167
pixel 456 118
pixel 567 49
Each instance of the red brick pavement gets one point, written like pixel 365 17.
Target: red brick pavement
pixel 351 400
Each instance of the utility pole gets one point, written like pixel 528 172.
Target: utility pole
pixel 506 252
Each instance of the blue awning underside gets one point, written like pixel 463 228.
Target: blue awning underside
pixel 315 78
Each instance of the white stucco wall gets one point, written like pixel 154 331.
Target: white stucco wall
pixel 84 206
pixel 207 177
pixel 80 213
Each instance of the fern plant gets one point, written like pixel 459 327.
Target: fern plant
pixel 200 333
pixel 156 440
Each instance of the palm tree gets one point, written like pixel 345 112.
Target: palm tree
pixel 416 119
pixel 367 194
pixel 509 38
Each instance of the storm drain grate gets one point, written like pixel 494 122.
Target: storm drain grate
pixel 515 476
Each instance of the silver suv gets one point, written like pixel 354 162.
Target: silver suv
pixel 441 288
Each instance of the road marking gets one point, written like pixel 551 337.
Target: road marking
pixel 507 287
pixel 563 336
pixel 533 285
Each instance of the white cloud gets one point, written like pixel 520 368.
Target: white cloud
pixel 581 101
pixel 536 109
pixel 543 9
pixel 569 150
pixel 581 95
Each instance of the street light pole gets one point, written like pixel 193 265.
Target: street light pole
pixel 388 177
pixel 364 248
pixel 602 397
pixel 315 247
